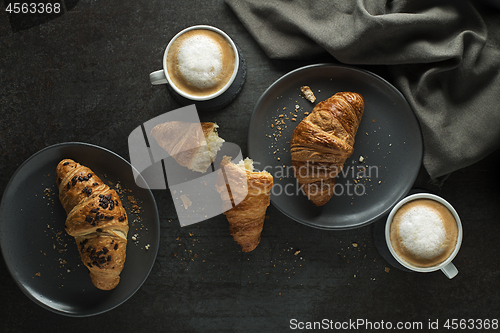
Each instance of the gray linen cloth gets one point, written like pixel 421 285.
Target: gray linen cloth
pixel 444 56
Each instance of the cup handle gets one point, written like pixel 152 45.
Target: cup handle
pixel 450 270
pixel 158 77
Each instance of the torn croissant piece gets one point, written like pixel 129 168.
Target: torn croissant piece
pixel 97 220
pixel 245 195
pixel 322 142
pixel 308 93
pixel 189 144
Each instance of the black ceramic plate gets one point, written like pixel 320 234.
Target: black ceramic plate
pixel 388 143
pixel 44 260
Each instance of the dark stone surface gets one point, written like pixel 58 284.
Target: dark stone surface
pixel 84 76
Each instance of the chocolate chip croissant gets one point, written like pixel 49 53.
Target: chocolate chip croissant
pixel 245 200
pixel 322 142
pixel 97 220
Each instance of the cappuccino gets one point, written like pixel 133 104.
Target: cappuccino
pixel 200 62
pixel 423 233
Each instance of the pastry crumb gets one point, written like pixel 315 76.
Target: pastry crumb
pixel 185 201
pixel 308 94
pixel 133 202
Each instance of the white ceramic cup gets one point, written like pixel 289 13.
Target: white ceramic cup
pixel 446 266
pixel 162 76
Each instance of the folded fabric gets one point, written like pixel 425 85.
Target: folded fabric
pixel 444 56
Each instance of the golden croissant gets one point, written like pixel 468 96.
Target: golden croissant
pixel 322 142
pixel 245 200
pixel 189 144
pixel 97 220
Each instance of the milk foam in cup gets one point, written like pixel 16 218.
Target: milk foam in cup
pixel 199 63
pixel 424 233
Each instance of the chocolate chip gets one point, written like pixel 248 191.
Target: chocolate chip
pixel 108 217
pixel 94 210
pixel 116 246
pixel 89 176
pixel 98 230
pixel 109 259
pixel 95 184
pixel 65 163
pixel 89 219
pixel 80 178
pixel 73 180
pixel 101 196
pixel 116 203
pixel 105 250
pixel 68 186
pixel 121 219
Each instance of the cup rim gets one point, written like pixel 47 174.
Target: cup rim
pixel 448 206
pixel 231 79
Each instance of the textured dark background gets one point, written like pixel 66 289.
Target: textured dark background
pixel 83 76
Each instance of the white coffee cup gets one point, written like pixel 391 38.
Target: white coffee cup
pixel 163 77
pixel 447 267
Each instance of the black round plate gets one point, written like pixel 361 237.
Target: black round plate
pixel 388 141
pixel 44 260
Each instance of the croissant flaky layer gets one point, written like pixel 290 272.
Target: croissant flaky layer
pixel 193 145
pixel 322 142
pixel 245 195
pixel 97 219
